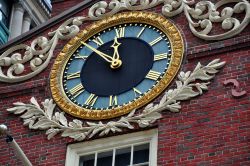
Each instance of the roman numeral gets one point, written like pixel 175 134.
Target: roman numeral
pixel 98 41
pixel 153 75
pixel 120 32
pixel 141 31
pixel 155 41
pixel 137 92
pixel 91 100
pixel 112 100
pixel 159 57
pixel 77 90
pixel 81 57
pixel 73 75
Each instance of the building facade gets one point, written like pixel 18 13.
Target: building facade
pixel 18 17
pixel 181 95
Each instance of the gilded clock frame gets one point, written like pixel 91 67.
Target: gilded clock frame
pixel 149 18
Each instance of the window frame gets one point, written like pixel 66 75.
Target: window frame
pixel 75 151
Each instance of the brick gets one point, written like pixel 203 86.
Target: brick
pixel 211 129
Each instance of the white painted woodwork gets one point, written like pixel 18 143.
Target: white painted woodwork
pixel 17 20
pixel 75 151
pixel 26 23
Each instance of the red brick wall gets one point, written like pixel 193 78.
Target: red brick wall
pixel 212 129
pixel 60 6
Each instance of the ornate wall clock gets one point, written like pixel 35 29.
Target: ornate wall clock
pixel 116 65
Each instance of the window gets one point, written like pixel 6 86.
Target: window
pixel 136 149
pixel 4 12
pixel 124 156
pixel 4 21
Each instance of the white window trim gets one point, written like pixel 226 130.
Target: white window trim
pixel 75 151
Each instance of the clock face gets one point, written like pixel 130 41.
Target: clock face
pixel 120 67
pixel 90 82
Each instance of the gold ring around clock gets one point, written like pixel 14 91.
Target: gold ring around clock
pixel 149 18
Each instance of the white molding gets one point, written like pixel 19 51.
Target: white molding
pixel 17 21
pixel 74 151
pixel 35 11
pixel 26 23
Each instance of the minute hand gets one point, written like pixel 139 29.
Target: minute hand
pixel 101 54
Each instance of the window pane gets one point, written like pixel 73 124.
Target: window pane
pixel 4 6
pixel 104 158
pixel 142 164
pixel 1 15
pixel 122 157
pixel 88 160
pixel 141 154
pixel 4 11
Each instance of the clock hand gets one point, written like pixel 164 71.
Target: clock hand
pixel 101 54
pixel 115 45
pixel 116 62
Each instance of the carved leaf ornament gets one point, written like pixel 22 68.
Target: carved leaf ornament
pixel 45 117
pixel 201 15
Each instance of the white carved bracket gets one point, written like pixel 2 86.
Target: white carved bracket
pixel 13 64
pixel 188 85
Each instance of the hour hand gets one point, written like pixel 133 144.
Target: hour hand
pixel 101 54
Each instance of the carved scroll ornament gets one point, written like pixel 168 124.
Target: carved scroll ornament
pixel 23 62
pixel 235 91
pixel 189 85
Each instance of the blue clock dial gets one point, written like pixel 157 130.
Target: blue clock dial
pixel 116 66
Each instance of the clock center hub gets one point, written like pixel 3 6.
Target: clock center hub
pixel 116 64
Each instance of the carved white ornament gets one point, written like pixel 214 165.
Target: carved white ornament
pixel 188 85
pixel 39 53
